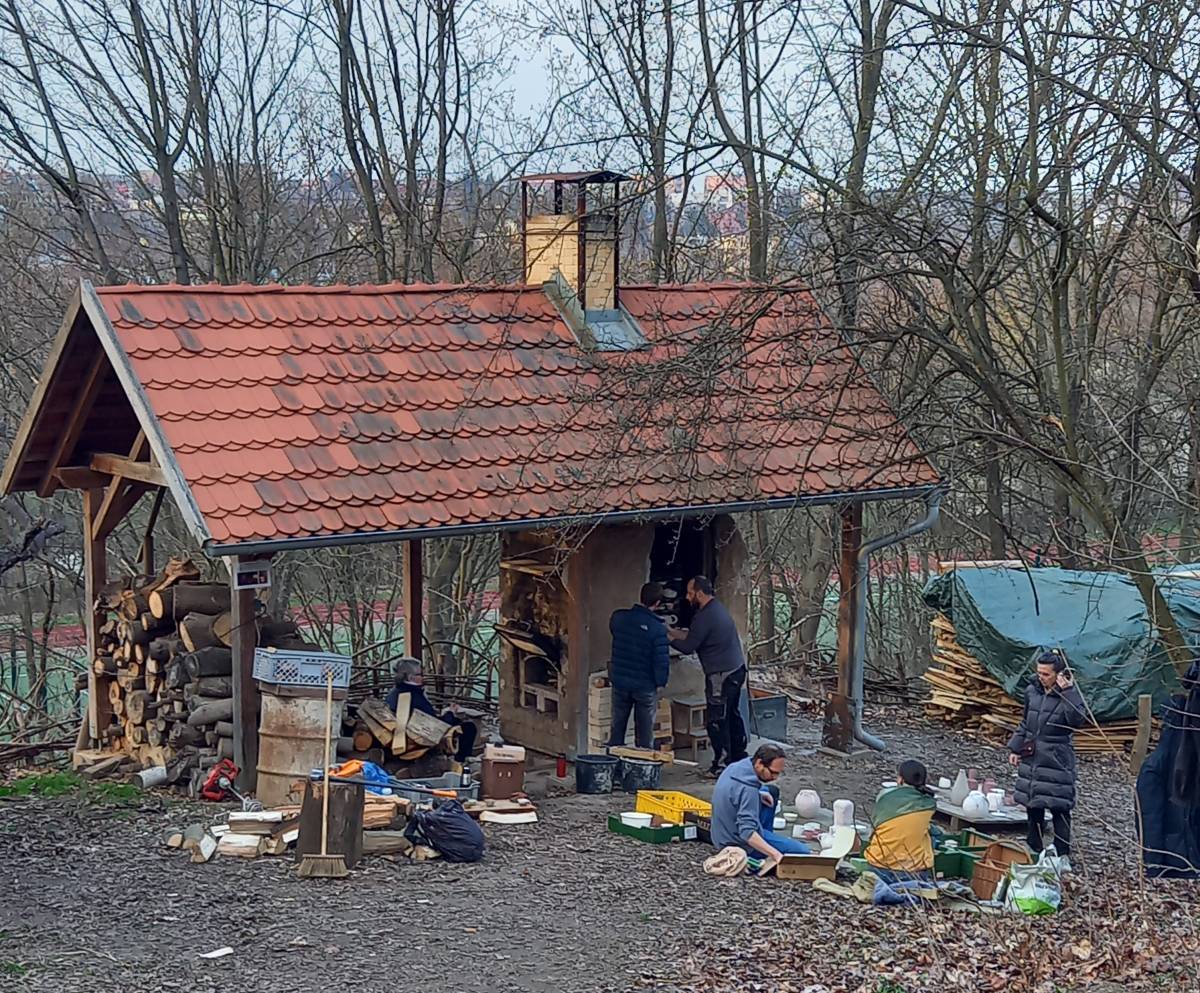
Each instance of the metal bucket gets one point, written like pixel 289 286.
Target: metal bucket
pixel 291 741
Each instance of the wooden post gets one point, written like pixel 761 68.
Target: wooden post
pixel 1141 743
pixel 245 690
pixel 414 600
pixel 848 581
pixel 95 575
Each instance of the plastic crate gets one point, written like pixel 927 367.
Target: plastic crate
pixel 653 835
pixel 272 665
pixel 670 805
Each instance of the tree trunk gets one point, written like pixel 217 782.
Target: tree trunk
pixel 768 639
pixel 995 502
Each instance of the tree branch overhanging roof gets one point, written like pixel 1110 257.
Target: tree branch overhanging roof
pixel 285 417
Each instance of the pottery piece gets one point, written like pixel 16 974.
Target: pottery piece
pixel 944 783
pixel 812 826
pixel 791 817
pixel 890 784
pixel 975 805
pixel 778 824
pixel 798 832
pixel 808 802
pixel 960 789
pixel 843 813
pixel 995 800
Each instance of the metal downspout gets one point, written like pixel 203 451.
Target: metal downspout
pixel 933 503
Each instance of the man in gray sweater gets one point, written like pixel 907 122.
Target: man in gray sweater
pixel 743 808
pixel 714 637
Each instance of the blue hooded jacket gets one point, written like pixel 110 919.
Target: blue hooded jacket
pixel 641 660
pixel 737 805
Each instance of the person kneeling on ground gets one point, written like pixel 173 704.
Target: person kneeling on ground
pixel 743 808
pixel 411 679
pixel 901 849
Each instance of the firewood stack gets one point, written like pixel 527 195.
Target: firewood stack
pixel 965 694
pixel 164 660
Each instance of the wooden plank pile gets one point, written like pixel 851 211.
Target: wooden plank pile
pixel 965 694
pixel 164 664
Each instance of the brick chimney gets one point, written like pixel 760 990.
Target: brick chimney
pixel 569 224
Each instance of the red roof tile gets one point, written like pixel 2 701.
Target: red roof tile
pixel 307 412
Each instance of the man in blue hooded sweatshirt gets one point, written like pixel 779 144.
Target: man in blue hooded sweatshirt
pixel 743 807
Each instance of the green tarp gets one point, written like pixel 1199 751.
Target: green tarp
pixel 1005 617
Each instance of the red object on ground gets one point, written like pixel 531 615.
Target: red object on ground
pixel 213 790
pixel 562 767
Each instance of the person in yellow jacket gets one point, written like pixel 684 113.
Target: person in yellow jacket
pixel 901 847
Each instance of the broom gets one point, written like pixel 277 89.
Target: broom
pixel 325 866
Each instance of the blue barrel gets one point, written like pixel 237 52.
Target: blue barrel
pixel 595 773
pixel 639 774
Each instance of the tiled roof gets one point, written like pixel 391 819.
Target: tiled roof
pixel 301 412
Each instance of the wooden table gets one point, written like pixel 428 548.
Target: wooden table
pixel 1005 817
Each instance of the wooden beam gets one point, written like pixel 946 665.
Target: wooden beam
pixel 414 599
pixel 78 477
pixel 122 493
pixel 135 471
pixel 69 438
pixel 849 580
pixel 245 689
pixel 95 575
pixel 1141 743
pixel 148 538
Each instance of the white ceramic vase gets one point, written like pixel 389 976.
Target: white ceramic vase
pixel 975 805
pixel 808 803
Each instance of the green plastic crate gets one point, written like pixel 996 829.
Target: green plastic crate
pixel 653 835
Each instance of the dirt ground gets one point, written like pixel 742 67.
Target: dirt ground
pixel 90 900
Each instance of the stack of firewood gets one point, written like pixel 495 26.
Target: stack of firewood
pixel 964 693
pixel 164 663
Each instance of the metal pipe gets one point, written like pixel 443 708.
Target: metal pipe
pixel 933 504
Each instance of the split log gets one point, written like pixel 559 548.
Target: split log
pixel 210 713
pixel 154 737
pixel 134 634
pixel 129 682
pixel 153 682
pixel 164 648
pixel 223 629
pixel 105 665
pixel 225 748
pixel 385 843
pixel 176 571
pixel 135 706
pixel 224 729
pixel 246 846
pixel 132 605
pixel 176 676
pixel 177 602
pixel 108 630
pixel 147 779
pixel 191 836
pixel 261 822
pixel 205 848
pixel 135 733
pixel 102 768
pixel 196 630
pixel 363 739
pixel 215 660
pixel 182 734
pixel 217 687
pixel 134 669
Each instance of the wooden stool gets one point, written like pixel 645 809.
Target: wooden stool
pixel 685 739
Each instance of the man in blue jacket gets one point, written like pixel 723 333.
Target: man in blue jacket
pixel 743 808
pixel 641 664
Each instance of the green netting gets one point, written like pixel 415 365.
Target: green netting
pixel 1005 617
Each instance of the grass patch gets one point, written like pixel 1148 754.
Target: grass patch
pixel 889 986
pixel 12 969
pixel 49 785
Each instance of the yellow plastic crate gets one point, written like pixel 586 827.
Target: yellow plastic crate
pixel 670 805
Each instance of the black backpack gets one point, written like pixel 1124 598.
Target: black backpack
pixel 449 830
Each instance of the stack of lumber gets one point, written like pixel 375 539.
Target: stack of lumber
pixel 164 664
pixel 965 694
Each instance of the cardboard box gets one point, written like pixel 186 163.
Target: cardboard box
pixel 807 867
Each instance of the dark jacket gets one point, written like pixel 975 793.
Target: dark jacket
pixel 641 662
pixel 1046 779
pixel 1169 822
pixel 419 700
pixel 714 637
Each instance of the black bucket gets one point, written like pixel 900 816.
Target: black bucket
pixel 639 774
pixel 594 773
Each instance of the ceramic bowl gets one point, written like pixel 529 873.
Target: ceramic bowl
pixel 634 819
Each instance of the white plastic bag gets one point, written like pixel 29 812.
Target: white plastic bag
pixel 1036 889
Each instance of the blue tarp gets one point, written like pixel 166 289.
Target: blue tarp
pixel 1004 617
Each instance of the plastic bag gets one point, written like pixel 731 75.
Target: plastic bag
pixel 1036 889
pixel 449 830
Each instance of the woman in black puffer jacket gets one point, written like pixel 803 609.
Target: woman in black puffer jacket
pixel 1043 750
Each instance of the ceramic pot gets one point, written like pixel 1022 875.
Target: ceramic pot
pixel 960 789
pixel 808 802
pixel 944 783
pixel 976 805
pixel 778 824
pixel 843 813
pixel 995 800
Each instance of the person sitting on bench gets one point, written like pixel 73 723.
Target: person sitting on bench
pixel 410 679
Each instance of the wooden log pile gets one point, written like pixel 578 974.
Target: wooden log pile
pixel 965 694
pixel 165 663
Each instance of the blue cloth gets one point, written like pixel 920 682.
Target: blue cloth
pixel 643 706
pixel 373 774
pixel 713 636
pixel 739 811
pixel 641 660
